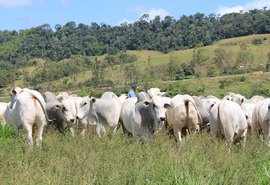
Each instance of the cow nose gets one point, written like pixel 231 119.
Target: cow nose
pixel 162 118
pixel 72 120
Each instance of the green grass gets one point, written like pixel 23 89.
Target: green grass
pixel 201 159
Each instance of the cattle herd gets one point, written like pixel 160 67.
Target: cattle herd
pixel 140 117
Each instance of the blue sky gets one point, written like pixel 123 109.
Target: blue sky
pixel 23 14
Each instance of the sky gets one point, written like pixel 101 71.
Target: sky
pixel 24 14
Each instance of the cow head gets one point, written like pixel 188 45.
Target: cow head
pixel 69 109
pixel 14 95
pixel 122 98
pixel 238 98
pixel 85 107
pixel 54 110
pixel 159 108
pixel 155 91
pixel 209 103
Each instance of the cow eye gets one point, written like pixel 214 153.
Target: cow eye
pixel 84 103
pixel 64 109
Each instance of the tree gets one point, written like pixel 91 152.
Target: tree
pixel 212 71
pixel 222 60
pixel 131 74
pixel 187 69
pixel 170 71
pixel 198 59
pixel 244 57
pixel 97 74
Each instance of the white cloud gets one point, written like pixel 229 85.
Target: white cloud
pixel 153 12
pixel 257 4
pixel 14 3
pixel 225 10
pixel 125 21
pixel 254 4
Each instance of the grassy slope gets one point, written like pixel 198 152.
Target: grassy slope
pixel 159 61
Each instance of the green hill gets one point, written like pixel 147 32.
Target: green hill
pixel 151 67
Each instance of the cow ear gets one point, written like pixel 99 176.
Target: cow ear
pixel 60 99
pixel 242 100
pixel 167 106
pixel 93 100
pixel 13 91
pixel 162 93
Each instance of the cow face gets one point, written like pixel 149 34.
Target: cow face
pixel 227 97
pixel 54 110
pixel 85 107
pixel 69 109
pixel 159 108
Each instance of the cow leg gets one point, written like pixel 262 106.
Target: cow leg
pixel 29 130
pixel 244 138
pixel 178 136
pixel 116 128
pixel 39 135
pixel 100 130
pixel 16 130
pixel 84 128
pixel 72 132
pixel 83 133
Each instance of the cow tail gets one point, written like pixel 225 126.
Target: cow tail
pixel 76 120
pixel 187 111
pixel 198 114
pixel 43 107
pixel 220 123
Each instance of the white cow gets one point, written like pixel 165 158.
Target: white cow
pixel 103 112
pixel 261 119
pixel 256 99
pixel 70 108
pixel 245 105
pixel 122 98
pixel 3 106
pixel 155 91
pixel 141 119
pixel 183 116
pixel 27 108
pixel 228 120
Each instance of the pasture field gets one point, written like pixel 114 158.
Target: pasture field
pixel 200 159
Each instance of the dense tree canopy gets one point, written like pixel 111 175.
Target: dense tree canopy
pixel 158 34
